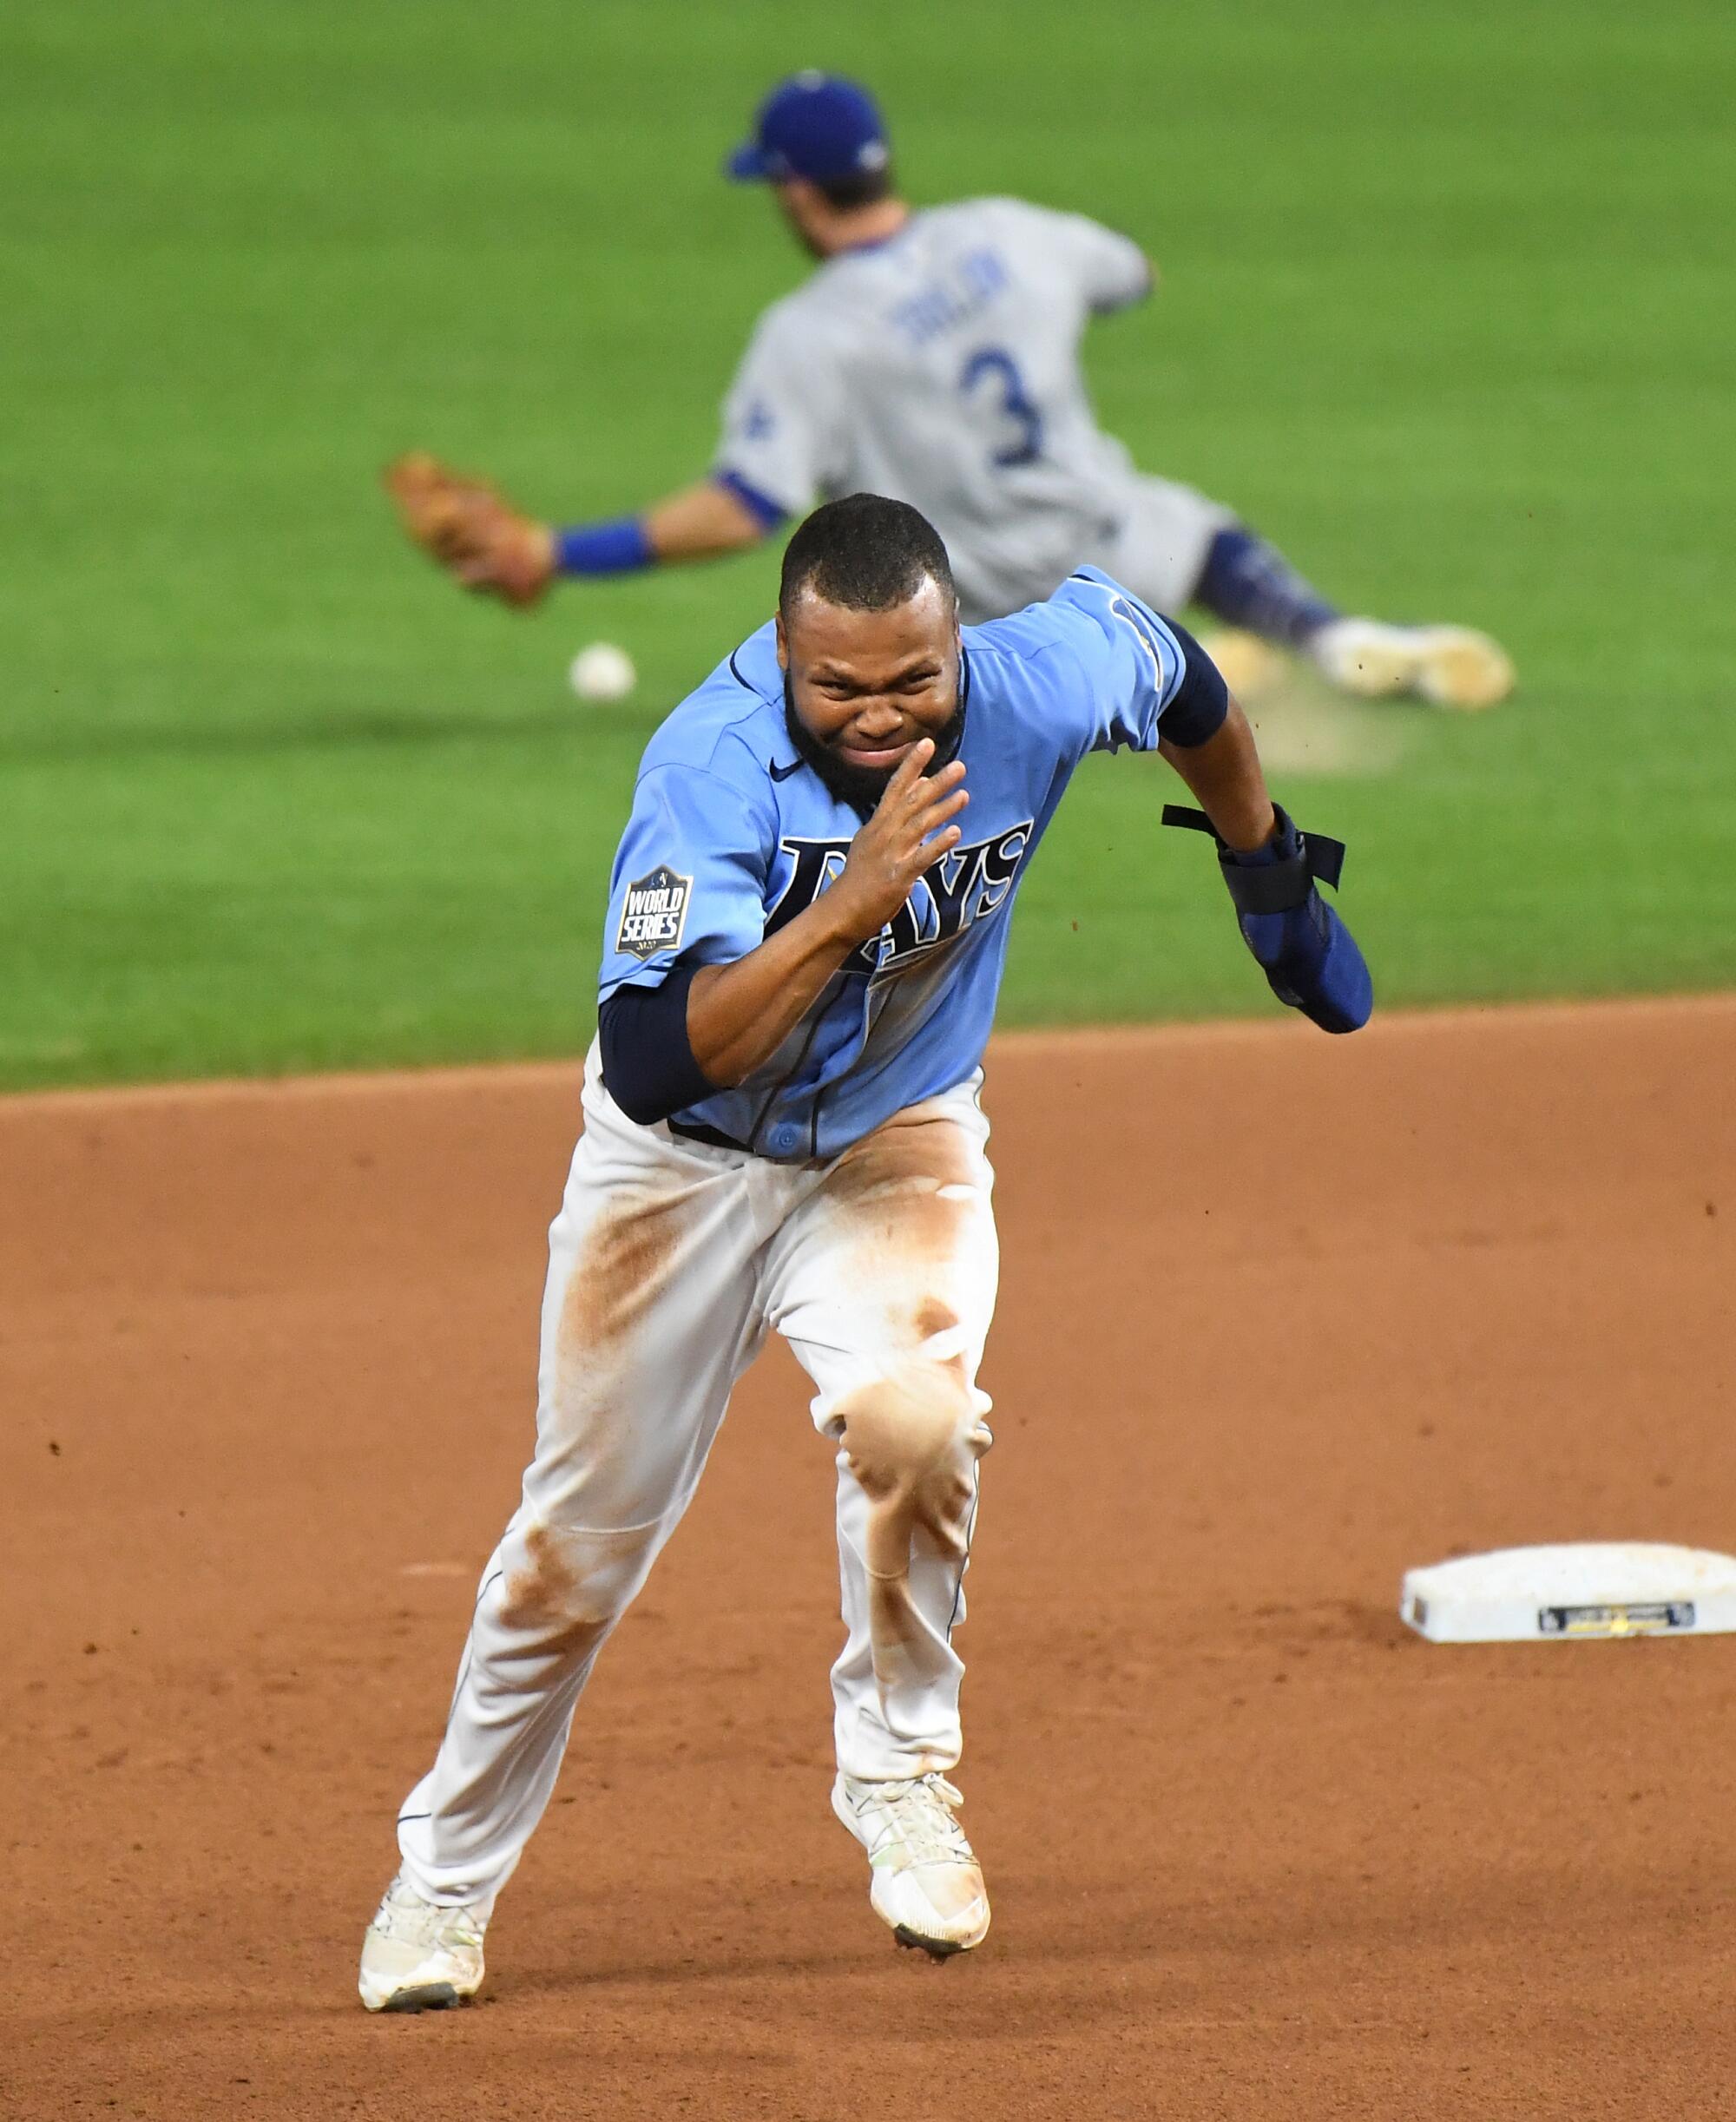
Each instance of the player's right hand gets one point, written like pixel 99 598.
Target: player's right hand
pixel 908 833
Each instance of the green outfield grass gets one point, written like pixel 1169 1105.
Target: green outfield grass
pixel 1448 311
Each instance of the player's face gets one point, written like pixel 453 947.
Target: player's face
pixel 866 686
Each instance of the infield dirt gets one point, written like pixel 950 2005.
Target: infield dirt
pixel 1279 1316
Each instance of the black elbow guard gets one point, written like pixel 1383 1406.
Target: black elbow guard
pixel 648 1066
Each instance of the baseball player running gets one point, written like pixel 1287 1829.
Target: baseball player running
pixel 807 921
pixel 935 356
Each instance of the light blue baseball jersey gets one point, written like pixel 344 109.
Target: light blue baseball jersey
pixel 732 835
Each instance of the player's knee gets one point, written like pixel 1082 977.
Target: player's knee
pixel 909 1428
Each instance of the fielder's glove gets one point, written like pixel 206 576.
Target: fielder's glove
pixel 1309 958
pixel 481 541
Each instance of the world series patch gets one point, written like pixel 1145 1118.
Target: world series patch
pixel 655 913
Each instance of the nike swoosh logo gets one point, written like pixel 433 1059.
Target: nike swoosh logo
pixel 783 773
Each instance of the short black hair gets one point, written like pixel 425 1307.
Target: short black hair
pixel 866 553
pixel 862 187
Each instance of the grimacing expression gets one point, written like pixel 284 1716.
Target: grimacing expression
pixel 866 686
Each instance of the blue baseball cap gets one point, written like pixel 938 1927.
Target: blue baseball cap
pixel 817 126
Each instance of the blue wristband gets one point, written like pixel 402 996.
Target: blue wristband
pixel 619 546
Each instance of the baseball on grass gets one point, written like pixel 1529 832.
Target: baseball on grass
pixel 603 671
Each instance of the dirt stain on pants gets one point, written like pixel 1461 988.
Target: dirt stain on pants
pixel 912 1440
pixel 564 1599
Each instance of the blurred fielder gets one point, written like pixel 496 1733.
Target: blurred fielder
pixel 934 355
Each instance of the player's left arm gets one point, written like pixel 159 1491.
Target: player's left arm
pixel 1111 271
pixel 703 521
pixel 779 422
pixel 1150 686
pixel 1309 958
pixel 1225 777
pixel 487 543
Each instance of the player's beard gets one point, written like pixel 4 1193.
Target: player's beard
pixel 862 787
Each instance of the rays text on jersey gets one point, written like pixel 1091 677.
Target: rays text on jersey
pixel 962 887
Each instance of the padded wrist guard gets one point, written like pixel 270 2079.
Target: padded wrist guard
pixel 1309 958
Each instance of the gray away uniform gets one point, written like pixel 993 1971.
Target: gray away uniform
pixel 942 367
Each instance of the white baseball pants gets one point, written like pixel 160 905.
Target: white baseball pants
pixel 667 1263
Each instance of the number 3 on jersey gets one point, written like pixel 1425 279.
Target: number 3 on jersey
pixel 997 367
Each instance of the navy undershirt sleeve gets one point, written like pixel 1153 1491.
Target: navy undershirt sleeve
pixel 647 1065
pixel 1202 700
pixel 768 512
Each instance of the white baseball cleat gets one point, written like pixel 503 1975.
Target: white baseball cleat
pixel 1449 666
pixel 924 1877
pixel 419 1957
